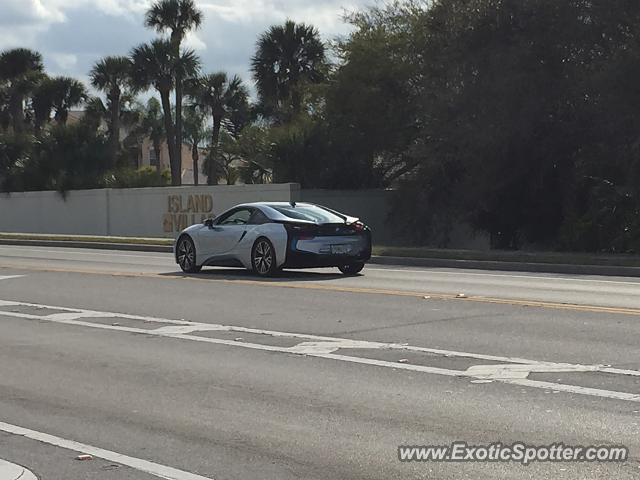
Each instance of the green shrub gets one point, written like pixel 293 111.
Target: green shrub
pixel 143 177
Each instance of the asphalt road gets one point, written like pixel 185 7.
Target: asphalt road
pixel 309 375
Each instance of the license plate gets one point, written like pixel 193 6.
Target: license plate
pixel 340 249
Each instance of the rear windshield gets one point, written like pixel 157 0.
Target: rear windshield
pixel 309 213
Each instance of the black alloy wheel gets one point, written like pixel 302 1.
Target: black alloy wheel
pixel 263 258
pixel 186 255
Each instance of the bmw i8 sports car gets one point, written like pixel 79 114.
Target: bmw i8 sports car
pixel 269 236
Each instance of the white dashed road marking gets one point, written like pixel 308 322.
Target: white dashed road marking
pixel 511 370
pixel 161 471
pixel 9 277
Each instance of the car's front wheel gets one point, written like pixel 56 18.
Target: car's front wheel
pixel 351 268
pixel 186 255
pixel 263 258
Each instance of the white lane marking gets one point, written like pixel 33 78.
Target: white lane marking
pixel 560 387
pixel 501 372
pixel 8 277
pixel 399 366
pixel 312 348
pixel 11 471
pixel 91 253
pixel 185 329
pixel 324 347
pixel 506 275
pixel 162 471
pixel 77 313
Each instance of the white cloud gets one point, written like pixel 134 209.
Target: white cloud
pixel 18 12
pixel 240 11
pixel 64 61
pixel 73 34
pixel 21 21
pixel 324 14
pixel 110 7
pixel 194 42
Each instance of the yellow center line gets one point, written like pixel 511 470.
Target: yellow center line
pixel 341 289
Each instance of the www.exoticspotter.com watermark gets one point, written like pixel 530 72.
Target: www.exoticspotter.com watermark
pixel 517 452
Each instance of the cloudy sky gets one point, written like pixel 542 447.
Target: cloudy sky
pixel 73 34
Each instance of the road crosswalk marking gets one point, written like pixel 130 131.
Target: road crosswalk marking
pixel 511 370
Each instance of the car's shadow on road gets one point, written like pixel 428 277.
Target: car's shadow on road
pixel 239 274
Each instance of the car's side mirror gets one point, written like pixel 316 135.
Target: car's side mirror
pixel 209 222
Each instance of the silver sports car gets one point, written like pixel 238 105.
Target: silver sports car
pixel 268 236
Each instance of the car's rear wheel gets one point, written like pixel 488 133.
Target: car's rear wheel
pixel 351 268
pixel 186 255
pixel 263 258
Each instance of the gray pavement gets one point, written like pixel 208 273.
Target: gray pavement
pixel 581 289
pixel 263 399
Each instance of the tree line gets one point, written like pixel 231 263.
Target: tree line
pixel 40 149
pixel 517 118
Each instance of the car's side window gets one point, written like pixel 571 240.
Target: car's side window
pixel 258 218
pixel 236 217
pixel 221 218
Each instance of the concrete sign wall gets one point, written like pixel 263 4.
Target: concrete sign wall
pixel 149 212
pixel 163 212
pixel 82 212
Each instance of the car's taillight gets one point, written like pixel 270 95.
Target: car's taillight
pixel 301 231
pixel 358 226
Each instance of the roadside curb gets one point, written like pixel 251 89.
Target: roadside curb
pixel 606 270
pixel 11 471
pixel 570 269
pixel 135 247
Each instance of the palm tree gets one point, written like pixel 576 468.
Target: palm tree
pixel 154 65
pixel 42 103
pixel 152 126
pixel 178 17
pixel 195 133
pixel 5 116
pixel 288 57
pixel 94 113
pixel 253 147
pixel 59 94
pixel 112 75
pixel 220 96
pixel 20 71
pixel 67 92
